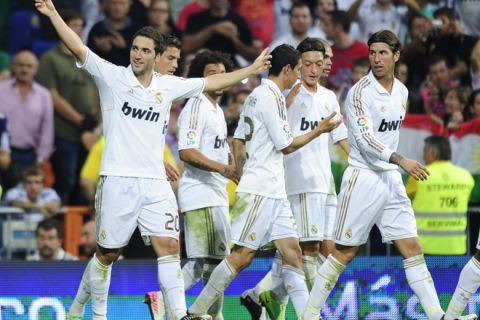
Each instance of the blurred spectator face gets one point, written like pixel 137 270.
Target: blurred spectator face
pixel 384 2
pixel 329 28
pixel 218 4
pixel 168 62
pixel 452 102
pixel 358 72
pixel 77 26
pixel 324 6
pixel 419 29
pixel 476 105
pixel 327 61
pixel 214 68
pixel 88 242
pixel 301 20
pixel 33 185
pixel 25 66
pixel 158 14
pixel 312 68
pixel 439 74
pixel 117 9
pixel 48 243
pixel 447 26
pixel 402 73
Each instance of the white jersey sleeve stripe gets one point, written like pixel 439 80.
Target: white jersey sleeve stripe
pixel 357 96
pixel 194 114
pixel 279 104
pixel 372 142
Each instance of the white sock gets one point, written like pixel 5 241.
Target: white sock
pixel 278 286
pixel 325 281
pixel 215 309
pixel 170 279
pixel 468 284
pixel 99 282
pixel 192 273
pixel 77 309
pixel 421 282
pixel 264 285
pixel 220 279
pixel 294 281
pixel 310 270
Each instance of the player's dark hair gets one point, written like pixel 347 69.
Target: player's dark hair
pixel 151 33
pixel 440 145
pixel 340 17
pixel 282 56
pixel 171 41
pixel 197 65
pixel 387 37
pixel 310 44
pixel 49 224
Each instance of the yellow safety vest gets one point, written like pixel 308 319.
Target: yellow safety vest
pixel 440 205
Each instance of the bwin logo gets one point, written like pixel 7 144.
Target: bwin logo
pixel 390 125
pixel 305 124
pixel 141 114
pixel 220 143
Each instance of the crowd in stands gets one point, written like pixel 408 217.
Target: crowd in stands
pixel 50 132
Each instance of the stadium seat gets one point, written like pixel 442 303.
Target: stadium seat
pixel 39 47
pixel 24 28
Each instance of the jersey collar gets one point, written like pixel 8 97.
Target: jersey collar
pixel 271 84
pixel 379 87
pixel 133 81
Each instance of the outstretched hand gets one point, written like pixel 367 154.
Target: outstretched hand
pixel 45 7
pixel 329 123
pixel 262 63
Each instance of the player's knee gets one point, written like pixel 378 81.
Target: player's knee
pixel 345 254
pixel 240 258
pixel 107 256
pixel 293 256
pixel 311 248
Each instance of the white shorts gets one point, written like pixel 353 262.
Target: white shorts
pixel 123 203
pixel 207 232
pixel 367 198
pixel 314 213
pixel 258 220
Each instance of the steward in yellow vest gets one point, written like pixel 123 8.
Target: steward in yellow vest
pixel 440 203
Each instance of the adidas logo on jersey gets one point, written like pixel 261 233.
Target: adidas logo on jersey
pixel 141 114
pixel 220 143
pixel 308 125
pixel 390 125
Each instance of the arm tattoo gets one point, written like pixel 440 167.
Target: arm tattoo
pixel 239 162
pixel 395 158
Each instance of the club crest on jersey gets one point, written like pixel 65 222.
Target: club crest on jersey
pixel 252 236
pixel 287 129
pixel 327 107
pixel 191 137
pixel 349 233
pixel 158 97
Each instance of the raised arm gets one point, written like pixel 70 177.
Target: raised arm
pixel 222 80
pixel 67 35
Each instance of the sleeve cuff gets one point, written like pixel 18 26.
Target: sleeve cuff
pixel 386 154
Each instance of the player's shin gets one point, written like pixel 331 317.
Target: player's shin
pixel 77 309
pixel 325 281
pixel 421 282
pixel 310 270
pixel 99 280
pixel 171 282
pixel 294 281
pixel 216 308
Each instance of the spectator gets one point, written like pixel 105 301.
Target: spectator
pixel 111 37
pixel 374 15
pixel 475 66
pixel 93 12
pixel 5 157
pixel 159 17
pixel 320 10
pixel 49 235
pixel 88 241
pixel 360 69
pixel 468 11
pixel 474 103
pixel 300 23
pixel 456 111
pixel 415 53
pixel 440 203
pixel 219 28
pixel 453 44
pixel 346 50
pixel 4 66
pixel 433 92
pixel 38 202
pixel 190 9
pixel 29 110
pixel 76 101
pixel 282 16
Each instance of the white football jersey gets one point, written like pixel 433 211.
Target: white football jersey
pixel 134 117
pixel 308 169
pixel 202 126
pixel 265 129
pixel 374 118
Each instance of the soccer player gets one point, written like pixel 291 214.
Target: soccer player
pixel 308 180
pixel 168 60
pixel 372 190
pixel 202 191
pixel 262 213
pixel 133 190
